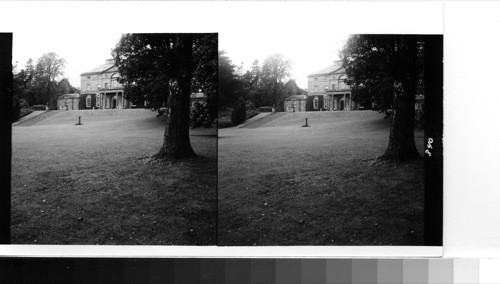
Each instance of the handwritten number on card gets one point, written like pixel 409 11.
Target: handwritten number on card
pixel 429 146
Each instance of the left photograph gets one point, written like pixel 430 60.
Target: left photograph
pixel 114 139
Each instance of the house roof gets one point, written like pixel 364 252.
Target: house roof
pixel 296 97
pixel 328 70
pixel 101 69
pixel 69 96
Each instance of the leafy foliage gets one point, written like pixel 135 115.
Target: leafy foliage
pixel 375 63
pixel 385 70
pixel 164 70
pixel 239 113
pixel 229 84
pixel 265 85
pixel 147 66
pixel 40 84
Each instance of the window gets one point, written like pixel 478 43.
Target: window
pixel 315 79
pixel 88 87
pixel 315 102
pixel 97 100
pixel 105 85
pixel 88 77
pixel 88 100
pixel 333 87
pixel 98 86
pixel 325 102
pixel 315 89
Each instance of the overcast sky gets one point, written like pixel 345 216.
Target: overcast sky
pixel 309 34
pixel 309 51
pixel 81 51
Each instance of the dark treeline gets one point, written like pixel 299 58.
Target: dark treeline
pixel 40 83
pixel 263 85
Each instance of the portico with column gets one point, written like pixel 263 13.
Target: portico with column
pixel 331 84
pixel 103 83
pixel 111 100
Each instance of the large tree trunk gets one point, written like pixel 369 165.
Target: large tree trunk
pixel 401 139
pixel 176 143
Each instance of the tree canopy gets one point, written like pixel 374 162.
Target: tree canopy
pixel 385 70
pixel 265 85
pixel 164 70
pixel 40 84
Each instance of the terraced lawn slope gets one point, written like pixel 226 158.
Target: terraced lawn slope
pixel 283 184
pixel 94 183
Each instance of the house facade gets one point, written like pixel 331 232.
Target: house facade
pixel 327 90
pixel 100 88
pixel 295 103
pixel 68 102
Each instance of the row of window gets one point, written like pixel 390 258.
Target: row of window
pixel 114 84
pixel 325 102
pixel 97 76
pixel 342 86
pixel 88 101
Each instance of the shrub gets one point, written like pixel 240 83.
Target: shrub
pixel 25 111
pixel 239 113
pixel 16 109
pixel 24 103
pixel 265 109
pixel 38 107
pixel 249 105
pixel 200 116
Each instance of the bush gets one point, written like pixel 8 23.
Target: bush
pixel 16 109
pixel 239 114
pixel 38 107
pixel 24 103
pixel 265 109
pixel 25 111
pixel 249 105
pixel 200 116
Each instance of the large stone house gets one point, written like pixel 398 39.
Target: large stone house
pixel 100 88
pixel 327 90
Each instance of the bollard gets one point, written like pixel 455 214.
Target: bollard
pixel 307 125
pixel 79 121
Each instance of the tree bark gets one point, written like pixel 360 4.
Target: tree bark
pixel 176 142
pixel 401 138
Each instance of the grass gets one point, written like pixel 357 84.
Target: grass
pixel 283 184
pixel 93 184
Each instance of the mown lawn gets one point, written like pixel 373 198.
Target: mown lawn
pixel 282 184
pixel 93 184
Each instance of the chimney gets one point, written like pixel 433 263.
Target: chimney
pixel 110 61
pixel 337 63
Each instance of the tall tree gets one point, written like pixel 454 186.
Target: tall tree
pixel 275 70
pixel 165 69
pixel 228 81
pixel 64 87
pixel 386 68
pixel 48 69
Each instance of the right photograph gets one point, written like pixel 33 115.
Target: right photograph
pixel 336 144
